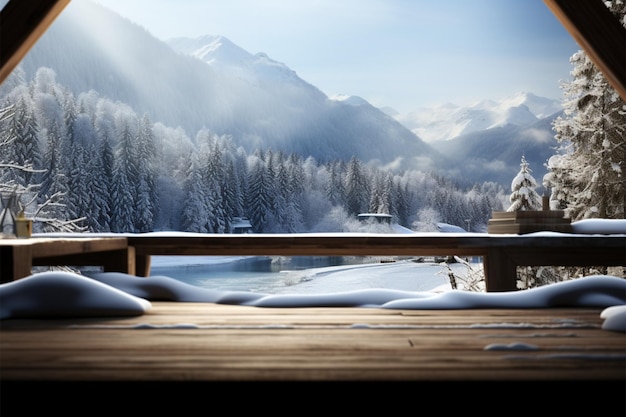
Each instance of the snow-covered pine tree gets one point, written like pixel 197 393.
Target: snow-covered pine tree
pixel 124 177
pixel 357 187
pixel 258 203
pixel 401 202
pixel 288 199
pixel 380 195
pixel 147 199
pixel 212 175
pixel 587 176
pixel 335 190
pixel 18 151
pixel 297 181
pixel 193 213
pixel 524 196
pixel 97 182
pixel 21 133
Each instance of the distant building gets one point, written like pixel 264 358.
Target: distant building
pixel 379 217
pixel 241 225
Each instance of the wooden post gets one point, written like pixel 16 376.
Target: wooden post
pixel 142 265
pixel 500 271
pixel 119 261
pixel 15 262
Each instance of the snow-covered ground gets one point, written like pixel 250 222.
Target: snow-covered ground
pixel 53 294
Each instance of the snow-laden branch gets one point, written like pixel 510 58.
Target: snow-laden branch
pixel 24 168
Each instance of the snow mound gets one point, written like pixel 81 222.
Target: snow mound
pixel 51 294
pixel 65 294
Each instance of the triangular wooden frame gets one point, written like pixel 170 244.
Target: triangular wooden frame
pixel 589 22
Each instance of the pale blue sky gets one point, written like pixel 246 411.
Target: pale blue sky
pixel 400 53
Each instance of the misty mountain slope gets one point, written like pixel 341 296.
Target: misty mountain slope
pixel 260 102
pixel 122 61
pixel 384 143
pixel 325 128
pixel 495 154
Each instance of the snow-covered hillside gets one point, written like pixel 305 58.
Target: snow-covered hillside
pixel 209 82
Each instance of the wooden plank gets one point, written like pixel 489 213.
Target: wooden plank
pixel 528 221
pixel 518 228
pixel 309 245
pixel 122 260
pixel 22 23
pixel 540 222
pixel 238 343
pixel 420 244
pixel 56 247
pixel 569 257
pixel 18 256
pixel 526 214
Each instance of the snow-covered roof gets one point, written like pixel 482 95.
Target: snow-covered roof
pixel 382 215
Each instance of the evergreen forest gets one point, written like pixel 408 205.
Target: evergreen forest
pixel 85 163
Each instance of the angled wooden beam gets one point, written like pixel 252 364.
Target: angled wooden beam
pixel 599 33
pixel 590 23
pixel 21 24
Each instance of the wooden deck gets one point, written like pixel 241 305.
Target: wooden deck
pixel 205 342
pixel 196 351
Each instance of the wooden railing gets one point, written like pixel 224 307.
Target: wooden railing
pixel 502 254
pixel 131 253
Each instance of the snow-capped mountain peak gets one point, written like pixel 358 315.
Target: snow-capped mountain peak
pixel 449 121
pixel 541 107
pixel 210 49
pixel 225 56
pixel 351 100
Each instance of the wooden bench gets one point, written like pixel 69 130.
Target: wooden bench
pixel 502 254
pixel 18 256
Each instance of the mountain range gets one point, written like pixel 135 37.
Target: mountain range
pixel 485 140
pixel 210 82
pixel 449 121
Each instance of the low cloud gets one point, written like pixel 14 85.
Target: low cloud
pixel 537 135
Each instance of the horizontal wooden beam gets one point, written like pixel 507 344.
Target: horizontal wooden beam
pixel 21 24
pixel 18 256
pixel 599 33
pixel 499 252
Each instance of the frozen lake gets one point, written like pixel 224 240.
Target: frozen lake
pixel 274 275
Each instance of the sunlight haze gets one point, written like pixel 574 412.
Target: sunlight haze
pixel 400 54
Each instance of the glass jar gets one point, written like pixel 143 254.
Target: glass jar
pixel 7 217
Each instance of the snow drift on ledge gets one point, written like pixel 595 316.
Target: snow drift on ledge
pixel 65 294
